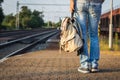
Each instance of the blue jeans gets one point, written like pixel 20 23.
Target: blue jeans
pixel 89 15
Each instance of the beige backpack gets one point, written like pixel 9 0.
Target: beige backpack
pixel 71 35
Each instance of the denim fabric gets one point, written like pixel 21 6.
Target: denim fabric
pixel 84 1
pixel 89 15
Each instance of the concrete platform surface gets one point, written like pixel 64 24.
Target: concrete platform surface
pixel 49 64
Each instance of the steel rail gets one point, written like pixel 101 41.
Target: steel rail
pixel 31 36
pixel 29 45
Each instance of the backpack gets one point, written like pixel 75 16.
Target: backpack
pixel 70 35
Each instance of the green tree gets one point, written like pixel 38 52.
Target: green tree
pixel 51 24
pixel 58 24
pixel 1 13
pixel 24 17
pixel 29 19
pixel 25 12
pixel 9 21
pixel 25 22
pixel 36 19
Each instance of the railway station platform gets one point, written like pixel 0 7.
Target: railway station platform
pixel 49 64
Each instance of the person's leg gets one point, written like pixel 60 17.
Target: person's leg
pixel 94 16
pixel 82 20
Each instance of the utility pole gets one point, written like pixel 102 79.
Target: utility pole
pixel 111 28
pixel 17 16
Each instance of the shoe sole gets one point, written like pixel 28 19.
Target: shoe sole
pixel 83 71
pixel 94 70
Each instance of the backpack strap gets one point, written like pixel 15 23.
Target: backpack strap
pixel 78 27
pixel 73 19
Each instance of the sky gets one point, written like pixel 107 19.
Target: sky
pixel 53 13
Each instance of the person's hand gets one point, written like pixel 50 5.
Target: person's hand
pixel 71 6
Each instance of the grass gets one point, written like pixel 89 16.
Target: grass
pixel 104 44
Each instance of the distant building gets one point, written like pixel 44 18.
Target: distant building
pixel 105 21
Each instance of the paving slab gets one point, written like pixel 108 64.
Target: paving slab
pixel 49 64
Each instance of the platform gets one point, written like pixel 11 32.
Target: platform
pixel 49 64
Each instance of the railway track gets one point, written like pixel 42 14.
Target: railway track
pixel 6 36
pixel 16 32
pixel 20 45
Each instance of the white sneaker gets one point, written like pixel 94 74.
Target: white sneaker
pixel 83 70
pixel 94 70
